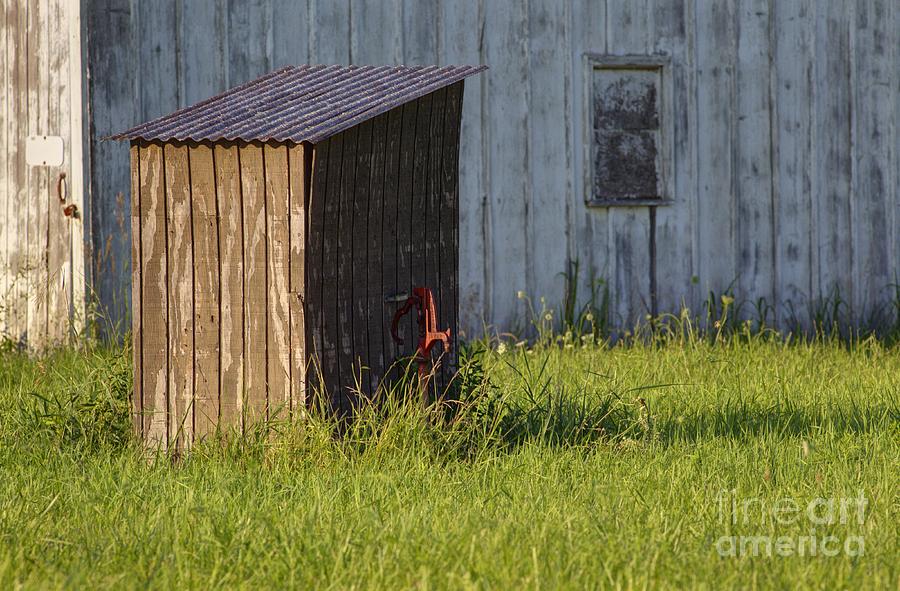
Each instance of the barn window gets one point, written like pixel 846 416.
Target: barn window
pixel 628 137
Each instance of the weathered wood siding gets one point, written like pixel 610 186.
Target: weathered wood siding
pixel 383 220
pixel 785 144
pixel 213 325
pixel 41 253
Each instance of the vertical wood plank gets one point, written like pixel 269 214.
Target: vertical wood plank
pixel 406 329
pixel 628 31
pixel 421 22
pixel 360 263
pixel 753 221
pixel 58 227
pixel 181 295
pixel 204 217
pixel 874 74
pixel 38 198
pixel 438 229
pixel 7 72
pixel 674 32
pixel 550 166
pixel 715 46
pixel 299 163
pixel 229 202
pixel 418 223
pixel 328 304
pixel 203 44
pixel 588 241
pixel 255 292
pixel 375 278
pixel 249 40
pixel 793 64
pixel 347 370
pixel 448 252
pixel 154 296
pixel 462 21
pixel 290 33
pixel 75 18
pixel 376 32
pixel 19 130
pixel 316 269
pixel 833 152
pixel 278 324
pixel 157 37
pixel 390 247
pixel 507 121
pixel 329 38
pixel 137 398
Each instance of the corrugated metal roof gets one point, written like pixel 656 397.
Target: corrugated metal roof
pixel 300 103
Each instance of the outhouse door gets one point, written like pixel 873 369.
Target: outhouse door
pixel 41 252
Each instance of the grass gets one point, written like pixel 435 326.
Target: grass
pixel 570 466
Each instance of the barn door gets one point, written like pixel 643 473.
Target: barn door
pixel 41 258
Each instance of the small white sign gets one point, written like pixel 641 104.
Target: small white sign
pixel 44 150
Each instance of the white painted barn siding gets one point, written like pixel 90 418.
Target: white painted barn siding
pixel 785 160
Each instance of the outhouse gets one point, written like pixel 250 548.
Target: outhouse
pixel 277 229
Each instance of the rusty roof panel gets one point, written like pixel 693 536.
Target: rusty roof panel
pixel 300 103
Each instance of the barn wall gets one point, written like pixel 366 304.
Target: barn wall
pixel 383 219
pixel 785 137
pixel 216 317
pixel 41 262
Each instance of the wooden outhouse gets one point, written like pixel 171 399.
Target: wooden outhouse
pixel 276 230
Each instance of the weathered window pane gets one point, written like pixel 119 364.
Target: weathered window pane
pixel 626 133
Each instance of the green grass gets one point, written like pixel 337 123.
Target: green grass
pixel 580 467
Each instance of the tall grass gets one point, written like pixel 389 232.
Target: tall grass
pixel 559 465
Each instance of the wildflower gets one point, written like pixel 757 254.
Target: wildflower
pixel 520 294
pixel 501 348
pixel 548 316
pixel 589 317
pixel 520 344
pixel 717 324
pixel 727 300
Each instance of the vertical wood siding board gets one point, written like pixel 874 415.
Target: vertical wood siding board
pixel 278 325
pixel 549 165
pixel 436 238
pixel 715 94
pixel 673 253
pixel 375 267
pixel 136 283
pixel 462 22
pixel 158 38
pixel 793 61
pixel 449 214
pixel 628 33
pixel 7 68
pixel 255 293
pixel 153 290
pixel 290 33
pixel 299 179
pixel 329 37
pixel 18 130
pixel 360 261
pixel 57 230
pixel 752 176
pixel 347 372
pixel 32 195
pixel 206 290
pixel 833 152
pixel 420 32
pixel 249 40
pixel 330 254
pixel 201 51
pixel 873 103
pixel 588 243
pixel 376 32
pixel 405 277
pixel 229 202
pixel 180 294
pixel 315 268
pixel 507 121
pixel 391 237
pixel 418 212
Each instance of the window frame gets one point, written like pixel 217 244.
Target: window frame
pixel 662 64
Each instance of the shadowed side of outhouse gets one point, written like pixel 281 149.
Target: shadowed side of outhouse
pixel 217 251
pixel 383 219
